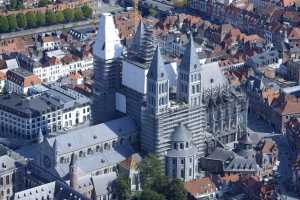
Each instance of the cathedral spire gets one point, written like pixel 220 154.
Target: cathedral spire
pixel 157 70
pixel 190 60
pixel 148 45
pixel 157 85
pixel 189 76
pixel 138 37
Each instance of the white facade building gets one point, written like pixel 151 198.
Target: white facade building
pixel 51 111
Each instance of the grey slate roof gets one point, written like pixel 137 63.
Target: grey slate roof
pixel 96 161
pixel 92 135
pixel 246 140
pixel 102 181
pixel 55 190
pixel 181 134
pixel 221 154
pixel 212 77
pixel 157 70
pixel 190 60
pixel 27 107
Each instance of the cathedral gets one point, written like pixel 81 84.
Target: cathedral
pixel 212 112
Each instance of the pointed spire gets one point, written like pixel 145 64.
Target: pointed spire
pixel 148 45
pixel 138 37
pixel 190 60
pixel 40 138
pixel 157 71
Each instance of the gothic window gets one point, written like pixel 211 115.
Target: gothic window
pixel 175 146
pixel 190 172
pixel 97 148
pixel 7 180
pixel 187 145
pixel 181 146
pixel 198 88
pixel 90 151
pixel 182 161
pixel 106 146
pixel 182 173
pixel 193 89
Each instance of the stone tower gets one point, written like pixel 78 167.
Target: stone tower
pixel 189 76
pixel 73 172
pixel 181 159
pixel 157 85
pixel 107 52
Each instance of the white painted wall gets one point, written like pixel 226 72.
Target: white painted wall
pixel 134 77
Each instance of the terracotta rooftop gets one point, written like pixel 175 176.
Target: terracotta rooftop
pixel 200 186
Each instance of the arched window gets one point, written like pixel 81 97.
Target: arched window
pixel 181 146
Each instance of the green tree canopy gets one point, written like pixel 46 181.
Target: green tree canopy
pixel 151 195
pixel 69 15
pixel 152 12
pixel 150 170
pixel 122 188
pixel 4 26
pixel 87 11
pixel 60 17
pixel 21 20
pixel 78 14
pixel 40 19
pixel 12 22
pixel 15 4
pixel 43 3
pixel 176 190
pixel 50 18
pixel 31 20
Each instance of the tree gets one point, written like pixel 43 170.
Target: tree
pixel 87 11
pixel 31 20
pixel 40 19
pixel 69 15
pixel 12 22
pixel 78 14
pixel 50 18
pixel 122 188
pixel 152 12
pixel 43 3
pixel 21 20
pixel 60 17
pixel 4 27
pixel 15 4
pixel 151 195
pixel 160 184
pixel 176 190
pixel 150 170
